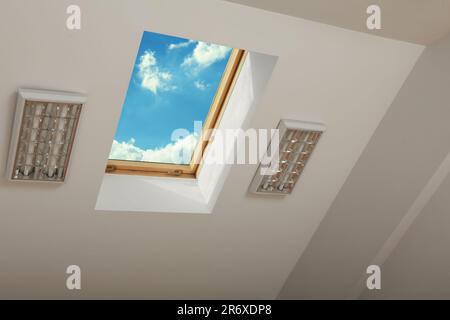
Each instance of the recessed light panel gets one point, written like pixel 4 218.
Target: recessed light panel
pixel 43 135
pixel 297 141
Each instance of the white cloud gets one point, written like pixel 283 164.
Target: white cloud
pixel 200 85
pixel 179 45
pixel 205 54
pixel 125 151
pixel 179 152
pixel 151 78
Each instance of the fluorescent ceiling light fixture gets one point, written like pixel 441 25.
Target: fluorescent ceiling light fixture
pixel 297 140
pixel 178 88
pixel 43 134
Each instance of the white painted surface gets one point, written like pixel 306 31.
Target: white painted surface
pixel 248 246
pixel 402 156
pixel 417 21
pixel 402 228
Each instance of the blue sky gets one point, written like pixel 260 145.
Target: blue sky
pixel 173 83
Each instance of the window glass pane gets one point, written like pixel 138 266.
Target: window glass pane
pixel 173 84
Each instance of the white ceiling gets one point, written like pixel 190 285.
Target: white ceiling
pixel 396 177
pixel 249 245
pixel 417 21
pixel 426 245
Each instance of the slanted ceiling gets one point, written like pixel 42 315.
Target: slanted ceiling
pixel 247 247
pixel 384 187
pixel 417 21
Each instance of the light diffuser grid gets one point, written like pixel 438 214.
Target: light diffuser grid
pixel 45 140
pixel 296 147
pixel 297 141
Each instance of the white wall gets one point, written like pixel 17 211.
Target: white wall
pixel 248 245
pixel 419 266
pixel 407 148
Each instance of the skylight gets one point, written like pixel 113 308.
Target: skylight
pixel 178 86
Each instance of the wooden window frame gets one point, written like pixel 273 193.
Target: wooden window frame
pixel 215 113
